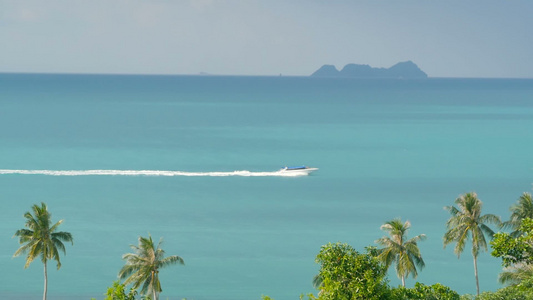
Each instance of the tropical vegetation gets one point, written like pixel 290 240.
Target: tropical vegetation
pixel 467 223
pixel 400 250
pixel 348 274
pixel 142 267
pixel 522 209
pixel 40 238
pixel 344 273
pixel 522 291
pixel 515 250
pixel 516 253
pixel 421 291
pixel 118 292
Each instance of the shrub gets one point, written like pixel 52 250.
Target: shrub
pixel 423 292
pixel 346 274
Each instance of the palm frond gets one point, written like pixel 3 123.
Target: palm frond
pixel 24 248
pixel 63 236
pixel 468 224
pixel 38 238
pixel 490 219
pixel 486 230
pixel 142 266
pixel 452 210
pixel 55 255
pixel 24 233
pixel 34 251
pixel 397 248
pixel 516 274
pixel 170 260
pixel 522 209
pixel 416 239
pixel 126 271
pixel 147 286
pixel 58 245
pixel 54 227
pixel 318 281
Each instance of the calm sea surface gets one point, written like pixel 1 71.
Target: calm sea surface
pixel 385 149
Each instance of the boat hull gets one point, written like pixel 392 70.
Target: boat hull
pixel 299 171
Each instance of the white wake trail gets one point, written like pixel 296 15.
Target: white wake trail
pixel 243 173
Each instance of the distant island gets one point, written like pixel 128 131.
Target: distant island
pixel 406 69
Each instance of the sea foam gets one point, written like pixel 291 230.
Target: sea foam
pixel 242 173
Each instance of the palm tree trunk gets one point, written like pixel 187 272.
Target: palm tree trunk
pixel 403 281
pixel 153 286
pixel 475 272
pixel 45 282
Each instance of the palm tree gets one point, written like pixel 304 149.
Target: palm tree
pixel 40 238
pixel 515 274
pixel 467 223
pixel 519 211
pixel 142 267
pixel 397 248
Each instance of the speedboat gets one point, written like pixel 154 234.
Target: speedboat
pixel 298 170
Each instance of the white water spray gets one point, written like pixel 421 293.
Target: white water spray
pixel 243 173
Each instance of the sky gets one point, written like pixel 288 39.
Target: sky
pixel 452 38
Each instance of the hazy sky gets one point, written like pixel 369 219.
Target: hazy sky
pixel 448 38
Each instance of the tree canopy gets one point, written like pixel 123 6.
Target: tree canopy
pixel 398 249
pixel 142 267
pixel 467 223
pixel 41 239
pixel 513 250
pixel 522 209
pixel 346 274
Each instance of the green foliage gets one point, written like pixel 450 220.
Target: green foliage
pixel 522 209
pixel 41 239
pixel 514 250
pixel 118 292
pixel 310 296
pixel 372 251
pixel 142 267
pixel 468 224
pixel 517 274
pixel 423 292
pixel 399 250
pixel 510 249
pixel 347 274
pixel 514 292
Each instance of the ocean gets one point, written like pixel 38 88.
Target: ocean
pixel 384 149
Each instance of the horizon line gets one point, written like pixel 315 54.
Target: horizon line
pixel 203 74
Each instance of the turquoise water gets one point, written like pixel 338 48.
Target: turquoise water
pixel 385 149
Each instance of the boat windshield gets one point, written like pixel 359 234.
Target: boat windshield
pixel 296 168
